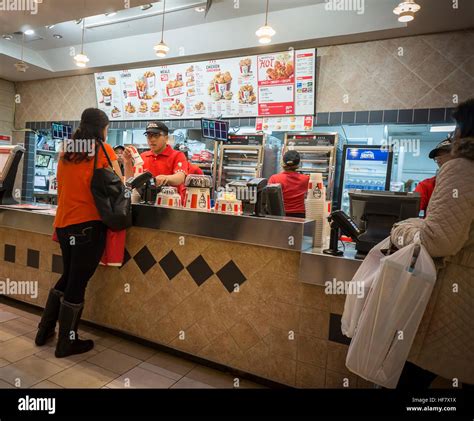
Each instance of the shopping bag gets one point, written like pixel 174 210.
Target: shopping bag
pixel 361 282
pixel 391 316
pixel 114 250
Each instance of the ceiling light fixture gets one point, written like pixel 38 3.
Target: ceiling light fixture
pixel 266 32
pixel 78 21
pixel 146 6
pixel 8 37
pixel 57 36
pixel 110 14
pixel 29 32
pixel 162 49
pixel 81 59
pixel 200 9
pixel 50 26
pixel 21 66
pixel 406 10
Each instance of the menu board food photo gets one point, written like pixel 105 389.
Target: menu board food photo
pixel 274 84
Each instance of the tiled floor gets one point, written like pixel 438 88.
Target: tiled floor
pixel 113 363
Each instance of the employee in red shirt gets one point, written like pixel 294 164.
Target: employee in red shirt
pixel 441 154
pixel 192 169
pixel 169 167
pixel 293 184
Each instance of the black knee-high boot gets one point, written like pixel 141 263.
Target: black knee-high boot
pixel 68 340
pixel 49 317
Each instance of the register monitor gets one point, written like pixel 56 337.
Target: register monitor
pixel 376 212
pixel 10 156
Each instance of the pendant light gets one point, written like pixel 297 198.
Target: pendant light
pixel 406 10
pixel 21 66
pixel 162 49
pixel 81 59
pixel 266 32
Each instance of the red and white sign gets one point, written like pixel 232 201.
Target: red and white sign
pixel 285 124
pixel 5 138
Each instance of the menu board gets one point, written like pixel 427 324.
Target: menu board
pixel 276 84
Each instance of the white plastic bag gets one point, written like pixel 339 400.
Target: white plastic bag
pixel 391 316
pixel 362 281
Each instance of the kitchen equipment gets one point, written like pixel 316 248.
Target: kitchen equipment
pixel 240 158
pixel 318 155
pixel 364 168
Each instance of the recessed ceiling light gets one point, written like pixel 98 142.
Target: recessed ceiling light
pixel 57 36
pixel 29 32
pixel 8 37
pixel 200 9
pixel 110 14
pixel 146 6
pixel 50 26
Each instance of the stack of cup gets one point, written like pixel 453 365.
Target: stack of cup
pixel 315 205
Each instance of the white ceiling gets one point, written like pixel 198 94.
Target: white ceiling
pixel 112 43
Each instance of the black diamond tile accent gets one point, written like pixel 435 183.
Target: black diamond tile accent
pixel 335 334
pixel 144 260
pixel 199 270
pixel 57 264
pixel 126 258
pixel 32 258
pixel 171 265
pixel 230 275
pixel 10 252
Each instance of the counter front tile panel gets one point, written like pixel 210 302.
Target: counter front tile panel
pixel 236 304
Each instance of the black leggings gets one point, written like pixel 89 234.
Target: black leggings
pixel 82 246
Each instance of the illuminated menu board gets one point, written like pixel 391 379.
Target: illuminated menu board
pixel 274 84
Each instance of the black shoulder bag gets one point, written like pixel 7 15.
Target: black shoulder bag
pixel 112 198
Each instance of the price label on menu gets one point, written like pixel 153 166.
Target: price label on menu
pixel 277 84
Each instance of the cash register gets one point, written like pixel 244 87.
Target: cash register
pixel 10 157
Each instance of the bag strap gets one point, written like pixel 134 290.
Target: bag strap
pixel 106 155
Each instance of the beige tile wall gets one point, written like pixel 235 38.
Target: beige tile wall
pixel 275 327
pixel 7 106
pixel 411 72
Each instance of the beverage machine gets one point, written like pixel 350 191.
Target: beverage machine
pixel 240 158
pixel 318 155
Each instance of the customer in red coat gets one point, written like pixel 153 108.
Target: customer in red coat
pixel 441 154
pixel 293 184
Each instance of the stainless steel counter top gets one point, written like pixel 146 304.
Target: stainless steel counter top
pixel 276 232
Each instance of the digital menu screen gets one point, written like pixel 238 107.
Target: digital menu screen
pixel 215 129
pixel 61 131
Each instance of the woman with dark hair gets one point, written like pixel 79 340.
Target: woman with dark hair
pixel 80 232
pixel 444 343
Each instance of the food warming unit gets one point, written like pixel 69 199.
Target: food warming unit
pixel 318 155
pixel 241 158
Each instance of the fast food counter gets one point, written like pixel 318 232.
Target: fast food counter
pixel 224 288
